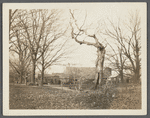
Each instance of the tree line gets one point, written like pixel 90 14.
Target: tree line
pixel 39 39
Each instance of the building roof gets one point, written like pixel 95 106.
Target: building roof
pixel 78 72
pixel 87 72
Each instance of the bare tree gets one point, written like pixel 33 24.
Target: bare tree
pixel 52 54
pixel 14 69
pixel 36 25
pixel 18 45
pixel 12 22
pixel 79 31
pixel 117 59
pixel 129 39
pixel 19 66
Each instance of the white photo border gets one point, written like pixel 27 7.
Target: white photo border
pixel 47 112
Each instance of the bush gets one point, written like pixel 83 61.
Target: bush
pixel 100 98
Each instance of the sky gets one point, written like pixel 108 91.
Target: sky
pixel 85 56
pixel 97 14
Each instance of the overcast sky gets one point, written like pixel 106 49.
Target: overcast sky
pixel 97 13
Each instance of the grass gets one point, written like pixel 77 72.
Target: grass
pixel 128 97
pixel 30 97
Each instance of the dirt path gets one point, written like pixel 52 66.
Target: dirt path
pixel 61 88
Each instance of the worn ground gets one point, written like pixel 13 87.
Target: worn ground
pixel 47 97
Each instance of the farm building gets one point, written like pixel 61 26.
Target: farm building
pixel 49 78
pixel 74 75
pixel 86 72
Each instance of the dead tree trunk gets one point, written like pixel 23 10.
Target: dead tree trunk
pixel 97 44
pixel 99 65
pixel 100 58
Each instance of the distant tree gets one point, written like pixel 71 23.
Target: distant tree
pixel 117 59
pixel 52 53
pixel 128 37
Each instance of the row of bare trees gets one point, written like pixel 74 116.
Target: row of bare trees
pixel 127 38
pixel 37 37
pixel 125 46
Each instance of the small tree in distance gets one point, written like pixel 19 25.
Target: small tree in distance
pixel 128 36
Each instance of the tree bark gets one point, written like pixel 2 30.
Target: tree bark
pixel 42 76
pixel 121 75
pixel 21 77
pixel 137 74
pixel 42 72
pixel 121 66
pixel 21 65
pixel 26 80
pixel 99 66
pixel 33 72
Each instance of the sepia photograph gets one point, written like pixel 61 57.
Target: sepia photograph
pixel 75 58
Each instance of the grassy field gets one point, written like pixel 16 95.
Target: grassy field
pixel 128 97
pixel 30 97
